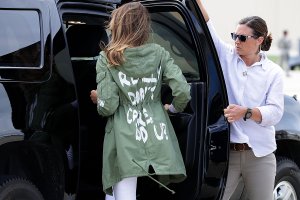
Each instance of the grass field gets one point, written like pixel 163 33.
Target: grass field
pixel 274 58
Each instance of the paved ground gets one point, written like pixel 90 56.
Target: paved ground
pixel 292 84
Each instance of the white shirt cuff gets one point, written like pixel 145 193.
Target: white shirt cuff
pixel 172 109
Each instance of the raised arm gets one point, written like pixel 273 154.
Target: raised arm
pixel 203 10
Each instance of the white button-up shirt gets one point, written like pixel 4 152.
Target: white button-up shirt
pixel 259 86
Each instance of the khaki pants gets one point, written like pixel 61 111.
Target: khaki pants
pixel 258 174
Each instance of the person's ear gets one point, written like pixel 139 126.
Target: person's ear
pixel 260 40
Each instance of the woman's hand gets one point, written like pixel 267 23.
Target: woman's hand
pixel 167 106
pixel 93 96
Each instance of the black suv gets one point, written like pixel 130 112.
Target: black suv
pixel 50 132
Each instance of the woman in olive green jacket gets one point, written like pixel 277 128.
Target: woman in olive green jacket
pixel 139 133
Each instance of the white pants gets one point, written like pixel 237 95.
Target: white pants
pixel 124 190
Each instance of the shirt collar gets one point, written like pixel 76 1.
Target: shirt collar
pixel 263 59
pixel 259 63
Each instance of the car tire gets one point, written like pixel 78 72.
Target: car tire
pixel 19 188
pixel 287 180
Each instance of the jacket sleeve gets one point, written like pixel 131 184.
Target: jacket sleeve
pixel 107 89
pixel 172 75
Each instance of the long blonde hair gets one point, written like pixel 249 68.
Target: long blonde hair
pixel 130 27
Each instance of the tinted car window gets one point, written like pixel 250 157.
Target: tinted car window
pixel 20 39
pixel 170 31
pixel 5 110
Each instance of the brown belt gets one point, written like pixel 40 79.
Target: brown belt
pixel 239 146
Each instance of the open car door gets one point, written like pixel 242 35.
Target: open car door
pixel 202 131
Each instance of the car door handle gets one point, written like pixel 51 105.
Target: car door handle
pixel 213 147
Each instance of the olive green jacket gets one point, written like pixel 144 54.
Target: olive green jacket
pixel 139 132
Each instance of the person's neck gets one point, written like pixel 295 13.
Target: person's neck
pixel 251 59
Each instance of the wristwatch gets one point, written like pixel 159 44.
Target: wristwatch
pixel 248 114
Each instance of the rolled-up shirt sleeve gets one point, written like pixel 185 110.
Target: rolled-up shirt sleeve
pixel 273 110
pixel 221 46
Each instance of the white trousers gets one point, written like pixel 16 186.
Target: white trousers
pixel 124 190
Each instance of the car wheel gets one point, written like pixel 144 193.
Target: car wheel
pixel 287 181
pixel 19 188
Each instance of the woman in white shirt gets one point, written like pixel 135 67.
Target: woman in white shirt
pixel 255 92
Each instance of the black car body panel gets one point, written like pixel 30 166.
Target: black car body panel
pixel 291 114
pixel 288 131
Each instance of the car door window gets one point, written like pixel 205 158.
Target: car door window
pixel 20 39
pixel 170 31
pixel 25 53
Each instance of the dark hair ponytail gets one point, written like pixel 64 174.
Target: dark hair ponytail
pixel 265 46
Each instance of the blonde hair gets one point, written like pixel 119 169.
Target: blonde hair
pixel 130 27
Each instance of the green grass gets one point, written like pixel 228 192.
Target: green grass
pixel 275 59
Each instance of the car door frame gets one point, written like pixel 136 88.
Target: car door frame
pixel 213 150
pixel 218 132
